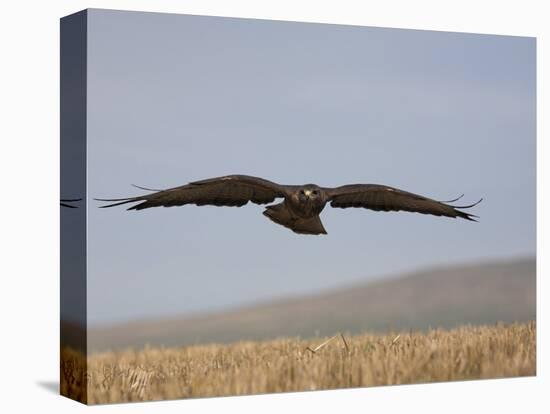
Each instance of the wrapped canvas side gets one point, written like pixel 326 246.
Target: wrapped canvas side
pixel 73 340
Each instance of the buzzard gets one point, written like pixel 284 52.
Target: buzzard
pixel 299 211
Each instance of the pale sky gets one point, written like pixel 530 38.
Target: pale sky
pixel 175 98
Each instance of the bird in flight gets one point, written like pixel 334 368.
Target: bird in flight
pixel 299 211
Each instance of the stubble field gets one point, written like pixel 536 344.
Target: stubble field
pixel 295 364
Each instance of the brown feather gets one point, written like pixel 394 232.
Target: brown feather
pixel 384 198
pixel 231 191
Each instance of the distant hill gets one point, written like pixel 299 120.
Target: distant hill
pixel 483 293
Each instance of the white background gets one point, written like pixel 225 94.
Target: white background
pixel 29 159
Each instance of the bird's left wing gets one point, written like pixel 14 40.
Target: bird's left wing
pixel 231 190
pixel 383 198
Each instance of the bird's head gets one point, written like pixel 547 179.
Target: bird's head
pixel 309 192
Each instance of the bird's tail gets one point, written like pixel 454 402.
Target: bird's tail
pixel 280 214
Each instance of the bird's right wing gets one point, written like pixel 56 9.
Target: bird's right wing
pixel 230 190
pixel 65 202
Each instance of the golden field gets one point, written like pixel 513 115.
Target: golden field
pixel 293 364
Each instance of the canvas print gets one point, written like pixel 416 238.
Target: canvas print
pixel 253 206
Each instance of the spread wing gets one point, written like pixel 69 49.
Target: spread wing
pixel 384 198
pixel 66 202
pixel 231 190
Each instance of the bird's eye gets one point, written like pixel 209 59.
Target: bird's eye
pixel 314 192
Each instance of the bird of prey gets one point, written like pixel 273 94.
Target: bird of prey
pixel 299 211
pixel 65 202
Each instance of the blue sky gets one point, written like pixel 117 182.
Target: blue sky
pixel 174 98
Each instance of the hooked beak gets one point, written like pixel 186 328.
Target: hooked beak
pixel 307 193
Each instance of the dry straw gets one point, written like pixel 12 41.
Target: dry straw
pixel 293 364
